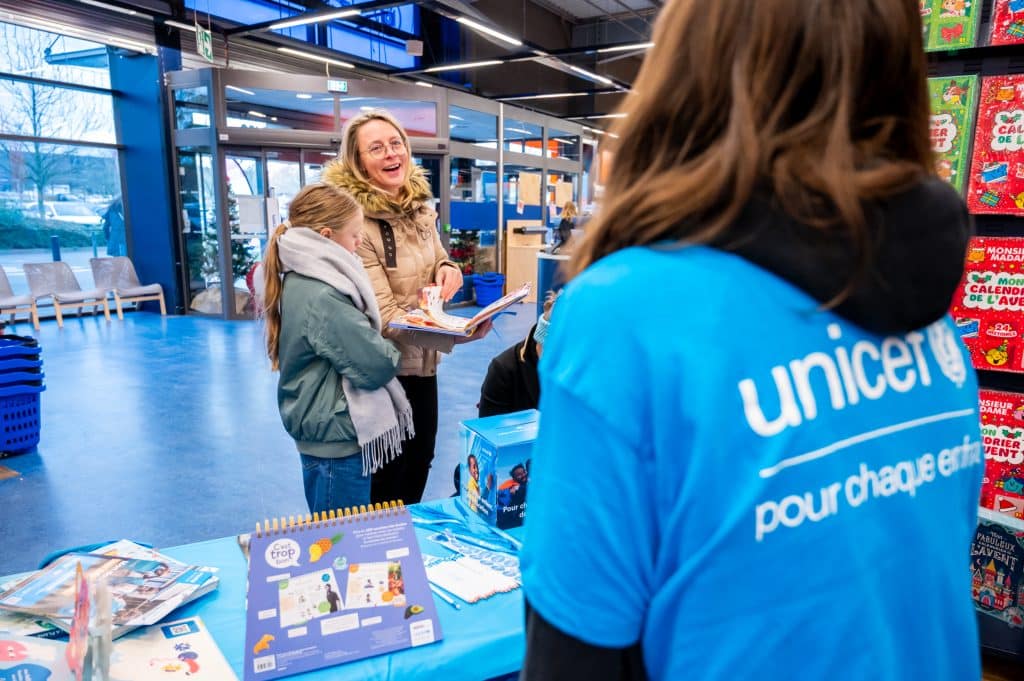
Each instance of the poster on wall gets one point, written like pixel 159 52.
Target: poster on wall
pixel 997 163
pixel 989 304
pixel 1002 432
pixel 1007 22
pixel 953 102
pixel 952 24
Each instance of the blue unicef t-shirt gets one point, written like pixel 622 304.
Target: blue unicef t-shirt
pixel 746 484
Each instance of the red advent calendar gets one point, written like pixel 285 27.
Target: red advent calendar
pixel 1002 431
pixel 989 303
pixel 997 167
pixel 1007 22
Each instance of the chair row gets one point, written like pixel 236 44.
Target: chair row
pixel 56 280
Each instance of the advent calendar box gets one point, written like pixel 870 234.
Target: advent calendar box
pixel 495 470
pixel 1002 431
pixel 997 582
pixel 997 167
pixel 989 304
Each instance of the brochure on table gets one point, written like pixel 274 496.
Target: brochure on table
pixel 327 590
pixel 144 586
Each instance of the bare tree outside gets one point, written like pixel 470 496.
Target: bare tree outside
pixel 36 110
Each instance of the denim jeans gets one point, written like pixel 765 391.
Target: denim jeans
pixel 334 483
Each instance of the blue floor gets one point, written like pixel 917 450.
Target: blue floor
pixel 166 431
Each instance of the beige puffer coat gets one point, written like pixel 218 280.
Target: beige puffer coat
pixel 418 254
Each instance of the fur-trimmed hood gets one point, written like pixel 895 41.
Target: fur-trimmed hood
pixel 375 203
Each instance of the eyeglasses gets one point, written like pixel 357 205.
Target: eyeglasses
pixel 379 150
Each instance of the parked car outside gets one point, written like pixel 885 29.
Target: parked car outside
pixel 77 212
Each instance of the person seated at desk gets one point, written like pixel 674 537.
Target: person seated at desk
pixel 565 226
pixel 511 383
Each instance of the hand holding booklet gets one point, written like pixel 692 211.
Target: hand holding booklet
pixel 432 318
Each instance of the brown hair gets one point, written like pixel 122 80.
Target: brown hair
pixel 822 103
pixel 316 207
pixel 349 157
pixel 569 210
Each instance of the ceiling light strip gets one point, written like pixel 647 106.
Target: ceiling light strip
pixel 180 24
pixel 486 30
pixel 591 76
pixel 467 65
pixel 626 48
pixel 313 19
pixel 316 57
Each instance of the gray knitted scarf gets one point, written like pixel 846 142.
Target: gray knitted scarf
pixel 382 417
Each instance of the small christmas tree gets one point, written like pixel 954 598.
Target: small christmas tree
pixel 241 258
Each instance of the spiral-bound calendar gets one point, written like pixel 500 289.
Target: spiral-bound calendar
pixel 329 589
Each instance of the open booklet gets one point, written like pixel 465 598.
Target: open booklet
pixel 145 586
pixel 432 318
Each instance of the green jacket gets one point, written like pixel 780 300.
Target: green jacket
pixel 324 337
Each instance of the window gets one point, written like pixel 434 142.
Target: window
pixel 418 118
pixel 262 108
pixel 59 171
pixel 523 137
pixel 563 145
pixel 475 127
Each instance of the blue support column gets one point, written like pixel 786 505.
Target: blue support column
pixel 141 119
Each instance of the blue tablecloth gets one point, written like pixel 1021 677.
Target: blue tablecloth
pixel 480 641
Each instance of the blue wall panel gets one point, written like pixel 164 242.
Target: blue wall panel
pixel 139 112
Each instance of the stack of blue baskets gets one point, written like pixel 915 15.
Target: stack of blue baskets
pixel 21 382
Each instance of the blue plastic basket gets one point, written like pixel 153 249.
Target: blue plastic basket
pixel 488 287
pixel 19 420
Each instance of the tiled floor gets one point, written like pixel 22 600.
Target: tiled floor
pixel 166 430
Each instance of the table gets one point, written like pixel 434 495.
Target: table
pixel 481 641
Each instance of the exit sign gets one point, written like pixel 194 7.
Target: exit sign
pixel 204 43
pixel 337 85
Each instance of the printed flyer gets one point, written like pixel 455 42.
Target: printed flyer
pixel 952 24
pixel 953 102
pixel 989 302
pixel 333 589
pixel 997 167
pixel 1002 431
pixel 1007 22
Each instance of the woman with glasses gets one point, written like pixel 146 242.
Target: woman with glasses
pixel 760 439
pixel 402 252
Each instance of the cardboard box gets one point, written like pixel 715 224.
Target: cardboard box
pixel 997 582
pixel 495 468
pixel 1002 431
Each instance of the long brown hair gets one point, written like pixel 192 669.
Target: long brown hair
pixel 822 103
pixel 316 206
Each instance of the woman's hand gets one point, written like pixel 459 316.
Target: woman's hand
pixel 478 333
pixel 449 279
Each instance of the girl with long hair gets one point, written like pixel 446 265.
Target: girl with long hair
pixel 769 465
pixel 337 391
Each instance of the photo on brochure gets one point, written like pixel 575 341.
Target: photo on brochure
pixel 304 598
pixel 374 585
